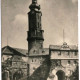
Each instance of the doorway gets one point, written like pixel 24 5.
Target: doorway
pixel 61 75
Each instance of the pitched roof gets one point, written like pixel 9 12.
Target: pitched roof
pixel 23 51
pixel 7 50
pixel 42 52
pixel 64 47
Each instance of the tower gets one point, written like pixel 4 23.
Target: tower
pixel 35 34
pixel 35 37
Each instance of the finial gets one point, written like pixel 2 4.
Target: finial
pixel 63 36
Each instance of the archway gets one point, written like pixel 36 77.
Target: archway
pixel 61 75
pixel 18 75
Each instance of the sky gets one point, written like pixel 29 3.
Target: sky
pixel 56 16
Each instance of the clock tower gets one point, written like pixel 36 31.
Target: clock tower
pixel 35 34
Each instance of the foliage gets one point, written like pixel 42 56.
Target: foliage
pixel 75 74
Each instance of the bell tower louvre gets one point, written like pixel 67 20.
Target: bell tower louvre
pixel 35 34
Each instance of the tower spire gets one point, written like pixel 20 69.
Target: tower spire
pixel 35 33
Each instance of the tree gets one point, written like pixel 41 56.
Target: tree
pixel 75 74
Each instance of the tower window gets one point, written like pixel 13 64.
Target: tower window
pixel 40 19
pixel 41 45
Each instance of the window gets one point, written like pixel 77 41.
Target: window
pixel 75 53
pixel 69 62
pixel 32 60
pixel 75 62
pixel 40 19
pixel 34 51
pixel 59 53
pixel 43 51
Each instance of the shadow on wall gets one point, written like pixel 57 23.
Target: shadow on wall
pixel 42 72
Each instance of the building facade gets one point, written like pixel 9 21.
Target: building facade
pixel 35 37
pixel 13 63
pixel 64 60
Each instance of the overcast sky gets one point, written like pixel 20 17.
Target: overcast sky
pixel 56 16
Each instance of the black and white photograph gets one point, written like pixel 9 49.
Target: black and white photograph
pixel 39 40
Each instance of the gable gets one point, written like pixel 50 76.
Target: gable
pixel 7 50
